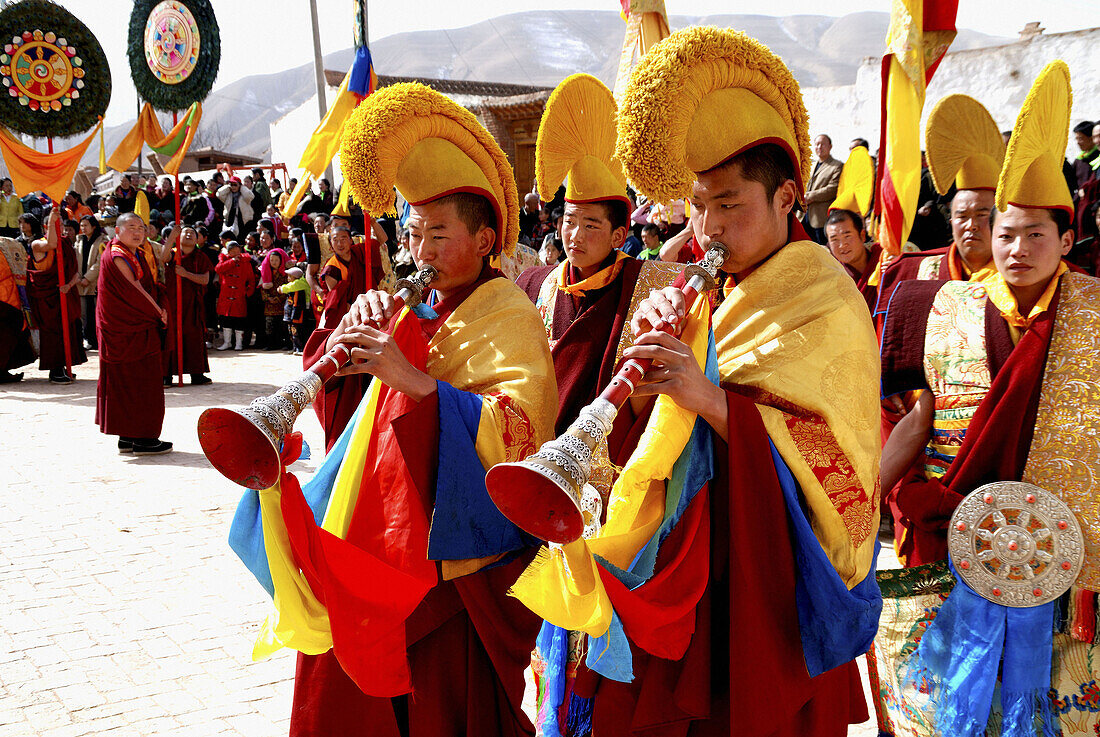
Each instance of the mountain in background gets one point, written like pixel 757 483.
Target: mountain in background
pixel 535 48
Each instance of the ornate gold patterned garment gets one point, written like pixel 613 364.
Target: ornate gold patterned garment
pixel 956 368
pixel 795 336
pixel 930 268
pixel 1065 448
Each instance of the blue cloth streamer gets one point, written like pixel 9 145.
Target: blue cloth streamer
pixel 961 652
pixel 465 522
pixel 836 625
pixel 553 645
pixel 609 655
pixel 361 65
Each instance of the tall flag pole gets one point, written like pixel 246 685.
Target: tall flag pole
pixel 646 25
pixel 919 35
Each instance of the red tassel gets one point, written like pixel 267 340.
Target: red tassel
pixel 1083 627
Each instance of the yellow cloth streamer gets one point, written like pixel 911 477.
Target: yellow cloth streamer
pixel 562 585
pixel 796 337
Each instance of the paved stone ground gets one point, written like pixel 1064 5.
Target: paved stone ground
pixel 122 609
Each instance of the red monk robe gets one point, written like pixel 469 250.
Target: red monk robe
pixel 467 643
pixel 15 339
pixel 861 278
pixel 130 394
pixel 45 299
pixel 744 672
pixel 194 315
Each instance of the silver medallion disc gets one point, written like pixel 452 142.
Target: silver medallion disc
pixel 1015 544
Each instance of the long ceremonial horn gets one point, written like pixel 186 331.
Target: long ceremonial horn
pixel 244 444
pixel 541 494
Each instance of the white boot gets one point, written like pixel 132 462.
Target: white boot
pixel 239 334
pixel 227 339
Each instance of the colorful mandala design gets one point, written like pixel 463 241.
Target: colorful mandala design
pixel 171 42
pixel 42 71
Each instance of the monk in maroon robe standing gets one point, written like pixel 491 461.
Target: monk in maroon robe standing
pixel 45 298
pixel 130 395
pixel 194 270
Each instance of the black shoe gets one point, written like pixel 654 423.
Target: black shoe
pixel 125 445
pixel 151 447
pixel 9 378
pixel 200 379
pixel 60 377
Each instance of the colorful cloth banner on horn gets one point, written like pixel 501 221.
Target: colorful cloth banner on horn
pixel 147 131
pixel 646 24
pixel 920 33
pixel 32 170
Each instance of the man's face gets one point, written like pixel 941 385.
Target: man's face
pixel 531 203
pixel 1084 141
pixel 341 244
pixel 846 243
pixel 970 229
pixel 188 238
pixel 320 225
pixel 822 148
pixel 6 187
pixel 68 232
pixel 587 235
pixel 650 239
pixel 125 183
pixel 131 232
pixel 438 237
pixel 1095 139
pixel 735 211
pixel 1027 247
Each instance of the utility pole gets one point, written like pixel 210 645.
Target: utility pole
pixel 319 71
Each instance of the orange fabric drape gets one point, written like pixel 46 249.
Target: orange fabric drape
pixel 32 170
pixel 147 130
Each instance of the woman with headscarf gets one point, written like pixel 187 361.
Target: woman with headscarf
pixel 273 276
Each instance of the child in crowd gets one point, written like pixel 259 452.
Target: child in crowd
pixel 272 277
pixel 237 285
pixel 298 311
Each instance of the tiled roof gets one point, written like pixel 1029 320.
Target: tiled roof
pixel 449 86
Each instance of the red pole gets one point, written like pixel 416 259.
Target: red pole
pixel 59 257
pixel 179 279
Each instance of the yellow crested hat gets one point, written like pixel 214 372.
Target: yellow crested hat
pixel 857 183
pixel 700 97
pixel 1032 172
pixel 413 138
pixel 576 142
pixel 963 145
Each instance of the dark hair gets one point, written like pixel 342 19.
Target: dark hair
pixel 618 214
pixel 258 172
pixel 226 233
pixel 70 224
pixel 97 230
pixel 316 215
pixel 558 213
pixel 201 230
pixel 651 228
pixel 1085 126
pixel 267 225
pixel 861 142
pixel 1062 220
pixel 474 210
pixel 767 164
pixel 839 216
pixel 339 229
pixel 34 222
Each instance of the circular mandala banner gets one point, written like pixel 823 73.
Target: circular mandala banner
pixel 54 72
pixel 174 51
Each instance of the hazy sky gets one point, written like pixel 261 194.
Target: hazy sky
pixel 261 36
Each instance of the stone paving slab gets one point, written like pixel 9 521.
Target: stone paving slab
pixel 123 610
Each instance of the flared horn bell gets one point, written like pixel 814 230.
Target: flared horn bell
pixel 244 444
pixel 542 493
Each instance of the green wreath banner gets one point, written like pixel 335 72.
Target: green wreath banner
pixel 174 51
pixel 55 74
